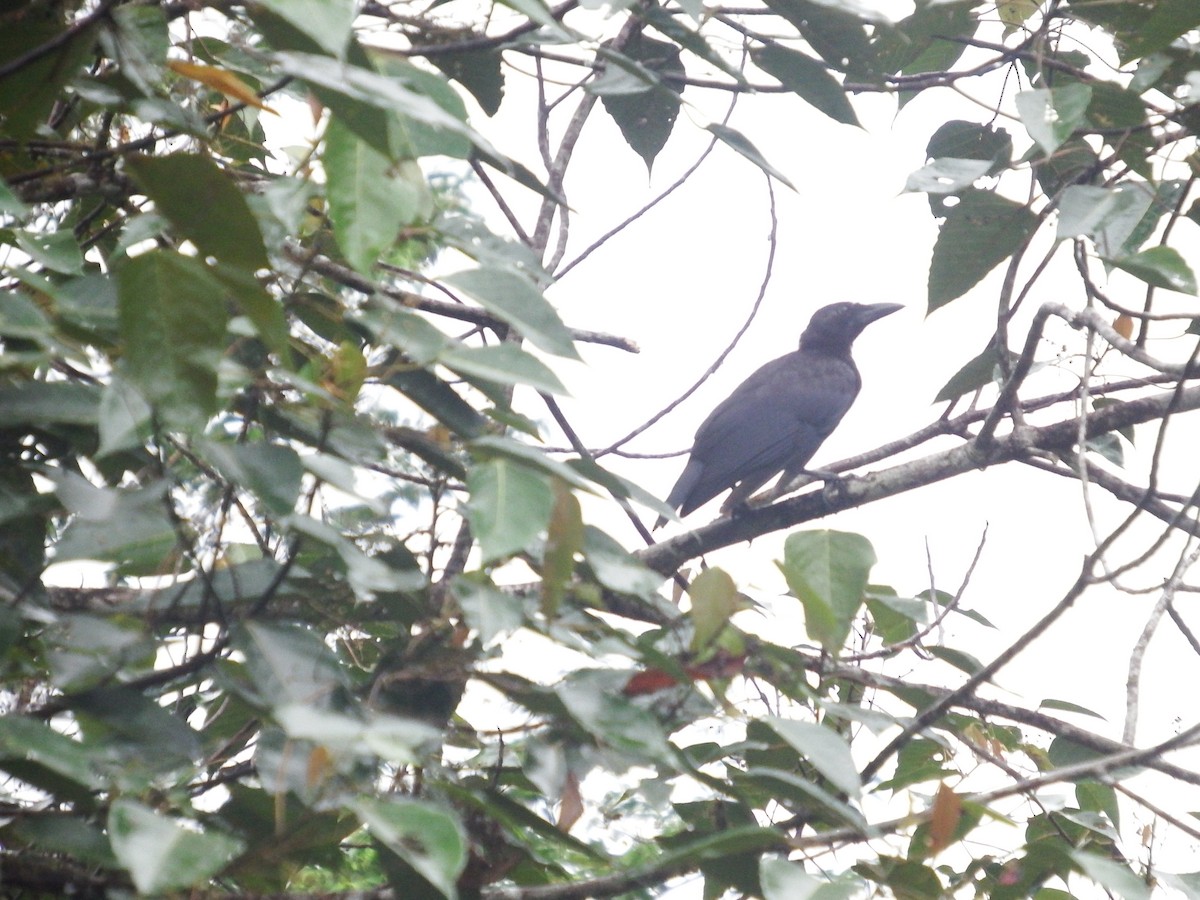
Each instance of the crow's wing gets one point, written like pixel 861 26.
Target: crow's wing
pixel 775 420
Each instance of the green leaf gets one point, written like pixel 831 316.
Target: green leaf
pixel 1065 752
pixel 492 612
pixel 137 727
pixel 824 748
pixel 958 139
pixel 503 363
pixel 807 78
pixel 479 71
pixel 402 740
pixel 827 572
pixel 46 403
pixel 67 836
pixel 1075 162
pixel 1113 107
pixel 646 114
pixel 327 22
pixel 172 315
pixel 616 568
pixel 264 311
pixel 58 251
pixel 222 225
pixel 492 445
pixel 271 472
pixel 979 372
pixel 10 203
pixel 377 90
pixel 564 540
pixel 1158 266
pixel 1051 115
pixel 896 618
pixel 782 879
pixel 737 141
pixel 1108 446
pixel 1120 879
pixel 86 651
pixel 412 138
pixel 714 599
pixel 801 791
pixel 947 176
pixel 673 28
pixel 839 37
pixel 438 399
pixel 1107 215
pixel 513 297
pixel 964 662
pixel 1167 20
pixel 28 93
pixel 425 836
pixel 1067 706
pixel 370 199
pixel 128 527
pixel 125 417
pixel 288 664
pixel 22 740
pixel 509 506
pixel 981 231
pixel 162 854
pixel 1097 797
pixel 365 574
pixel 593 698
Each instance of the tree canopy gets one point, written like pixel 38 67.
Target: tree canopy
pixel 309 583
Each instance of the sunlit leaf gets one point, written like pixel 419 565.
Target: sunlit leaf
pixel 515 298
pixel 1120 879
pixel 824 748
pixel 1051 115
pixel 370 198
pixel 509 507
pixel 503 363
pixel 827 572
pixel 425 836
pixel 490 611
pixel 163 854
pixel 1158 266
pixel 714 599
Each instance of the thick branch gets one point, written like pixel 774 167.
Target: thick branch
pixel 854 492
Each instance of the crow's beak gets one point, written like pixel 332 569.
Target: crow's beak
pixel 870 313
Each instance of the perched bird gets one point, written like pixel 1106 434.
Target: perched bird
pixel 778 417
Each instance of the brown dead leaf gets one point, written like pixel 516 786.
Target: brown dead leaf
pixel 570 806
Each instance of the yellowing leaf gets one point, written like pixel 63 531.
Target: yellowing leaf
pixel 947 810
pixel 219 80
pixel 1123 326
pixel 320 763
